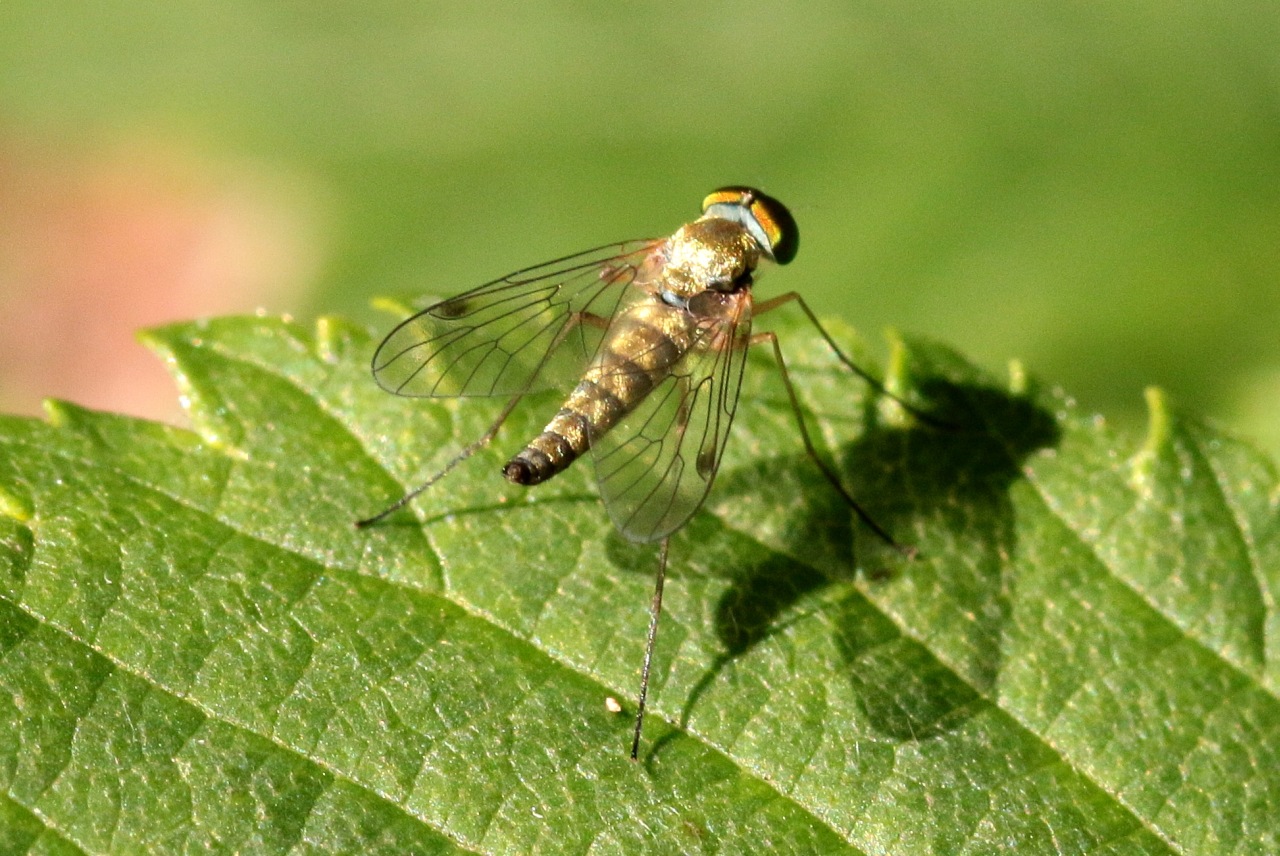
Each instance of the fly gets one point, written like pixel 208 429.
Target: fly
pixel 662 328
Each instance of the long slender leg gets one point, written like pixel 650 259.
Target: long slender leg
pixel 569 325
pixel 466 452
pixel 866 518
pixel 655 611
pixel 655 608
pixel 795 297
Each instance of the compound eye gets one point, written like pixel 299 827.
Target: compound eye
pixel 776 222
pixel 771 218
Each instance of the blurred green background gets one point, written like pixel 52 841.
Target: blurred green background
pixel 1093 188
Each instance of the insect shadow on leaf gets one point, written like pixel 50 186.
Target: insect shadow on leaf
pixel 951 484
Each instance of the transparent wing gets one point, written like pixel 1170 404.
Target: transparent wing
pixel 656 466
pixel 530 330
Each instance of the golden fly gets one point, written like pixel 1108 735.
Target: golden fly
pixel 655 334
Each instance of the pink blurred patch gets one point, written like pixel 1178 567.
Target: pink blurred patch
pixel 91 250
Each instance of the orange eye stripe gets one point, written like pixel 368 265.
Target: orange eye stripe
pixel 763 216
pixel 726 196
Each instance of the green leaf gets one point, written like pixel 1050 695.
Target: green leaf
pixel 200 652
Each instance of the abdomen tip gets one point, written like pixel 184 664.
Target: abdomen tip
pixel 518 472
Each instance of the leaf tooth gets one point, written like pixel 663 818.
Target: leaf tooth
pixel 1159 419
pixel 1159 439
pixel 208 415
pixel 17 507
pixel 897 377
pixel 1018 378
pixel 333 338
pixel 895 370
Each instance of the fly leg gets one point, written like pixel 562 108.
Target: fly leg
pixel 655 610
pixel 792 296
pixel 571 323
pixel 866 518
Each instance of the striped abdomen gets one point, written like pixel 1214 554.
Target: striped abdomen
pixel 638 354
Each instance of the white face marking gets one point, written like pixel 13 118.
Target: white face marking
pixel 672 299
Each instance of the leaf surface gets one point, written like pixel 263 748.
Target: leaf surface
pixel 199 651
